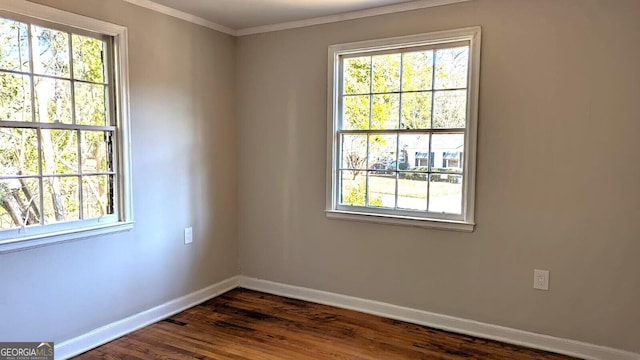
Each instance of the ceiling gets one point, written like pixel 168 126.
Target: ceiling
pixel 240 17
pixel 241 14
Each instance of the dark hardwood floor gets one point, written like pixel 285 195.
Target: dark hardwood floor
pixel 244 324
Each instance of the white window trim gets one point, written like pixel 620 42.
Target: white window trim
pixel 471 34
pixel 124 221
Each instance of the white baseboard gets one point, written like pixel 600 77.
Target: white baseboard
pixel 463 326
pixel 104 334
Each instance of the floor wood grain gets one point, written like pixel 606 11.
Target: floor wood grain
pixel 245 324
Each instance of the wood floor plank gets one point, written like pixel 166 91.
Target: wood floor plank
pixel 246 325
pixel 316 332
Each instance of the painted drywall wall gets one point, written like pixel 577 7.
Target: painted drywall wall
pixel 557 181
pixel 184 174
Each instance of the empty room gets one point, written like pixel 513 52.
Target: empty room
pixel 319 179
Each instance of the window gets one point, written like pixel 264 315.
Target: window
pixel 63 129
pixel 402 120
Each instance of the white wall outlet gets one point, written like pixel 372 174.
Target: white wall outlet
pixel 188 235
pixel 541 279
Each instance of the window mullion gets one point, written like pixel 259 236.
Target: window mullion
pixel 31 77
pixel 370 91
pixel 397 169
pixel 366 174
pixel 80 178
pixel 430 158
pixel 16 72
pixel 40 178
pixel 400 131
pixel 401 93
pixel 45 76
pixel 73 90
pixel 389 92
pixel 33 120
pixel 54 126
pixel 80 198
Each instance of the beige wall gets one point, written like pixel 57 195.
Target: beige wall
pixel 557 185
pixel 184 174
pixel 557 181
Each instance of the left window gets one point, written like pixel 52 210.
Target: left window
pixel 63 127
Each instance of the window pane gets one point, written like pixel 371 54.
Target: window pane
pixel 96 196
pixel 382 152
pixel 50 52
pixel 450 109
pixel 354 152
pixel 386 73
pixel 19 203
pixel 382 190
pixel 94 151
pixel 353 188
pixel 355 112
pixel 59 152
pixel 416 110
pixel 417 71
pixel 18 152
pixel 448 151
pixel 14 45
pixel 88 61
pixel 357 75
pixel 90 104
pixel 414 152
pixel 445 193
pixel 386 111
pixel 412 191
pixel 53 100
pixel 451 68
pixel 61 199
pixel 15 97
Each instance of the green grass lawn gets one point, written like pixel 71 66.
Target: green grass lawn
pixel 406 188
pixel 412 194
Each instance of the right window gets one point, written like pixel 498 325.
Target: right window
pixel 404 118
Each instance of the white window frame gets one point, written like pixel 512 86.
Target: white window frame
pixel 334 210
pixel 25 238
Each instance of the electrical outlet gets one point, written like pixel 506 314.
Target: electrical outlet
pixel 541 279
pixel 188 235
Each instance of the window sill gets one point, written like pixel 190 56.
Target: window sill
pixel 402 221
pixel 34 241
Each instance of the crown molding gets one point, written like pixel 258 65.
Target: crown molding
pixel 382 10
pixel 182 15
